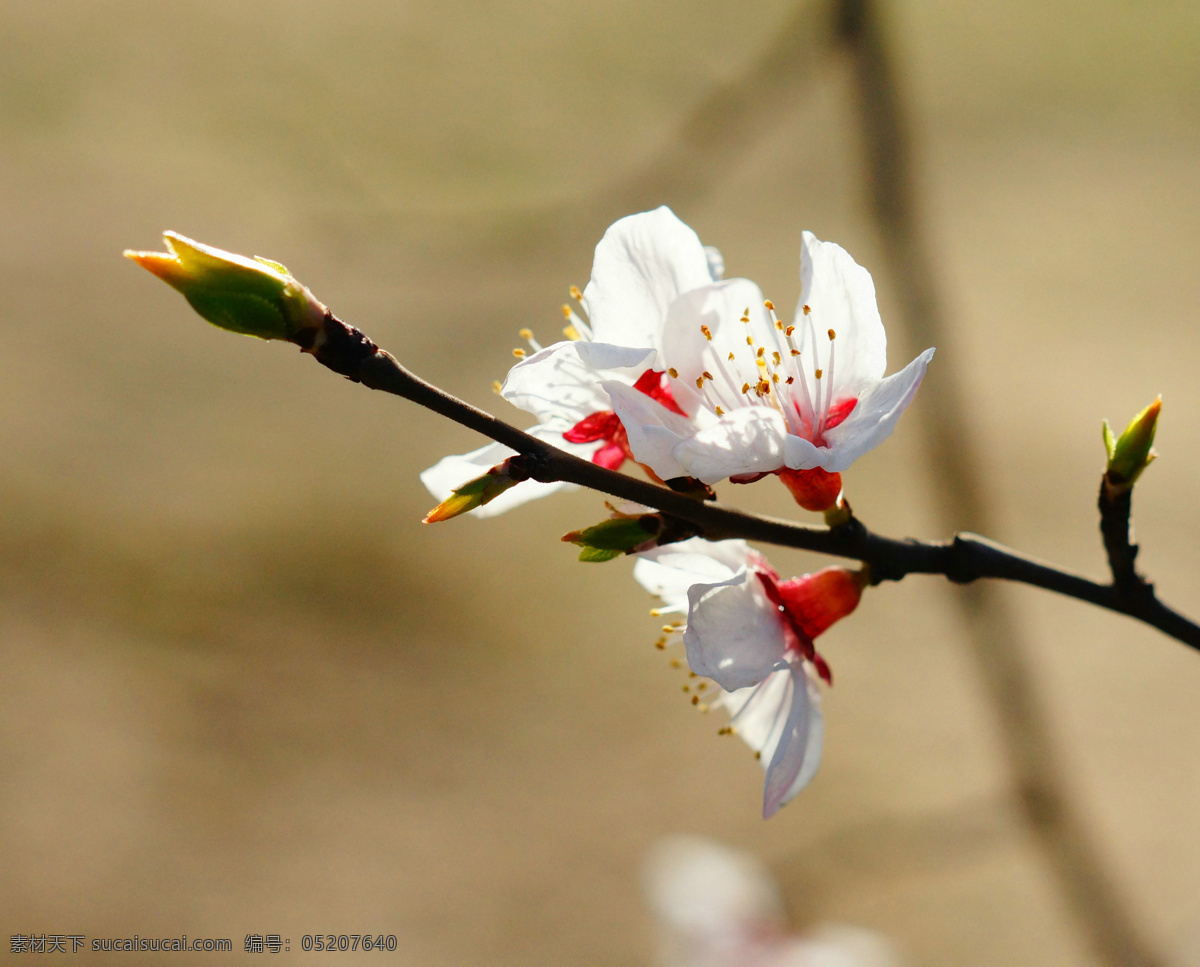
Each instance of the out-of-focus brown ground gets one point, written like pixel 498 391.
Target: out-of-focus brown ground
pixel 246 691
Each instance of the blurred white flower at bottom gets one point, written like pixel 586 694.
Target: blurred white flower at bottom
pixel 720 907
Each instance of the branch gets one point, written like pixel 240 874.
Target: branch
pixel 963 559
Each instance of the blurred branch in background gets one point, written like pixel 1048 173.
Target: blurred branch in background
pixel 989 624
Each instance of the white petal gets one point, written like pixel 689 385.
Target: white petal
pixel 642 265
pixel 781 720
pixel 748 440
pixel 709 893
pixel 670 570
pixel 841 295
pixel 563 381
pixel 876 414
pixel 716 262
pixel 653 430
pixel 800 454
pixel 734 634
pixel 452 472
pixel 687 350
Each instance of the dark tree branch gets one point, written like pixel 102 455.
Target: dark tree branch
pixel 963 559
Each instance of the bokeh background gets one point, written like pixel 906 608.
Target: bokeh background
pixel 246 691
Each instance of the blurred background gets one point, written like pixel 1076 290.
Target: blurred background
pixel 247 691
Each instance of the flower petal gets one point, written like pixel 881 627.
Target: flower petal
pixel 686 348
pixel 876 414
pixel 748 440
pixel 642 265
pixel 734 635
pixel 841 295
pixel 563 381
pixel 652 429
pixel 670 570
pixel 781 720
pixel 454 471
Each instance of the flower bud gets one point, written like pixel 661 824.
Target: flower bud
pixel 481 490
pixel 619 535
pixel 252 296
pixel 1131 453
pixel 816 601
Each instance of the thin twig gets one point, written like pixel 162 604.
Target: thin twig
pixel 1112 931
pixel 963 559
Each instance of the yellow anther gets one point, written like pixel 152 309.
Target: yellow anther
pixel 707 332
pixel 528 333
pixel 731 357
pixel 832 335
pixel 667 629
pixel 566 311
pixel 762 363
pixel 745 319
pixel 687 688
pixel 774 377
pixel 778 359
pixel 699 382
pixel 720 412
pixel 673 373
pixel 807 309
pixel 496 386
pixel 789 330
pixel 707 375
pixel 749 340
pixel 519 353
pixel 795 352
pixel 692 675
pixel 726 730
pixel 770 305
pixel 575 293
pixel 819 372
pixel 702 686
pixel 764 388
pixel 779 325
pixel 745 387
pixel 704 709
pixel 571 333
pixel 746 311
pixel 676 662
pixel 761 352
pixel 661 644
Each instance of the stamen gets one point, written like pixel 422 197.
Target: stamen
pixel 661 644
pixel 819 374
pixel 749 340
pixel 496 387
pixel 519 353
pixel 673 373
pixel 720 412
pixel 832 335
pixel 707 333
pixel 527 335
pixel 695 699
pixel 761 352
pixel 745 387
pixel 769 305
pixel 575 293
pixel 571 333
pixel 707 375
pixel 731 357
pixel 699 382
pixel 778 359
pixel 676 662
pixel 567 311
pixel 807 309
